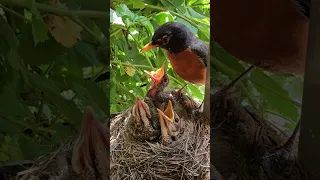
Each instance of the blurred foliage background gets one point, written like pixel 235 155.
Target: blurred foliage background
pixel 44 84
pixel 133 23
pixel 273 96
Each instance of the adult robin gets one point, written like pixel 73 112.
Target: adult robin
pixel 188 55
pixel 170 123
pixel 270 34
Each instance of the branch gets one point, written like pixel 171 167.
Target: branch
pixel 59 11
pixel 241 77
pixel 174 13
pixel 14 13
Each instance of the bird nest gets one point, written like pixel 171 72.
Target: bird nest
pixel 245 146
pixel 186 158
pixel 55 165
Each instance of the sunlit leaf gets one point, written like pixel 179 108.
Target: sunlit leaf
pixel 129 70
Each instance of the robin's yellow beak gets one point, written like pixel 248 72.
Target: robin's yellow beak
pixel 156 76
pixel 168 114
pixel 147 47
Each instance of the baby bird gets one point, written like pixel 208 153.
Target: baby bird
pixel 160 81
pixel 170 124
pixel 158 94
pixel 144 122
pixel 90 157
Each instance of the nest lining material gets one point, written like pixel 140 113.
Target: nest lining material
pixel 186 158
pixel 243 145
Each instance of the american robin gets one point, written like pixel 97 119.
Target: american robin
pixel 160 81
pixel 188 55
pixel 270 34
pixel 90 159
pixel 170 124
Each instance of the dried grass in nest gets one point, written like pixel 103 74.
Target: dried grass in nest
pixel 53 166
pixel 186 158
pixel 242 140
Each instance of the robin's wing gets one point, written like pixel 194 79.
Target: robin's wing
pixel 304 7
pixel 202 50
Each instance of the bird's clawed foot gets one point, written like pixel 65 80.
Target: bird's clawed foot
pixel 141 113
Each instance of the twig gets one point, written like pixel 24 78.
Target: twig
pixel 40 107
pixel 98 74
pixel 59 11
pixel 174 13
pixel 23 162
pixel 15 13
pixel 241 77
pixel 86 28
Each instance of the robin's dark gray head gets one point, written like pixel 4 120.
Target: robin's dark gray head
pixel 172 36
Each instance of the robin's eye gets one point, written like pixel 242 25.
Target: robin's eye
pixel 165 39
pixel 176 120
pixel 165 80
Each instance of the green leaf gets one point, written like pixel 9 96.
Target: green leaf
pixel 42 53
pixel 13 106
pixel 8 127
pixel 14 150
pixel 8 33
pixel 63 132
pixel 87 52
pixel 52 92
pixel 90 93
pixel 123 11
pixel 30 149
pixel 277 98
pixel 163 17
pixel 194 14
pixel 174 4
pixel 193 29
pixel 138 4
pixel 39 28
pixel 95 5
pixel 4 157
pixel 40 31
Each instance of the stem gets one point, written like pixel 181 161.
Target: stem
pixel 114 33
pixel 97 75
pixel 15 13
pixel 28 125
pixel 132 65
pixel 140 48
pixel 241 77
pixel 40 108
pixel 200 4
pixel 287 99
pixel 117 101
pixel 46 73
pixel 186 19
pixel 60 11
pixel 78 21
pixel 174 13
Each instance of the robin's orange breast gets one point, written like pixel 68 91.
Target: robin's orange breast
pixel 188 66
pixel 271 34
